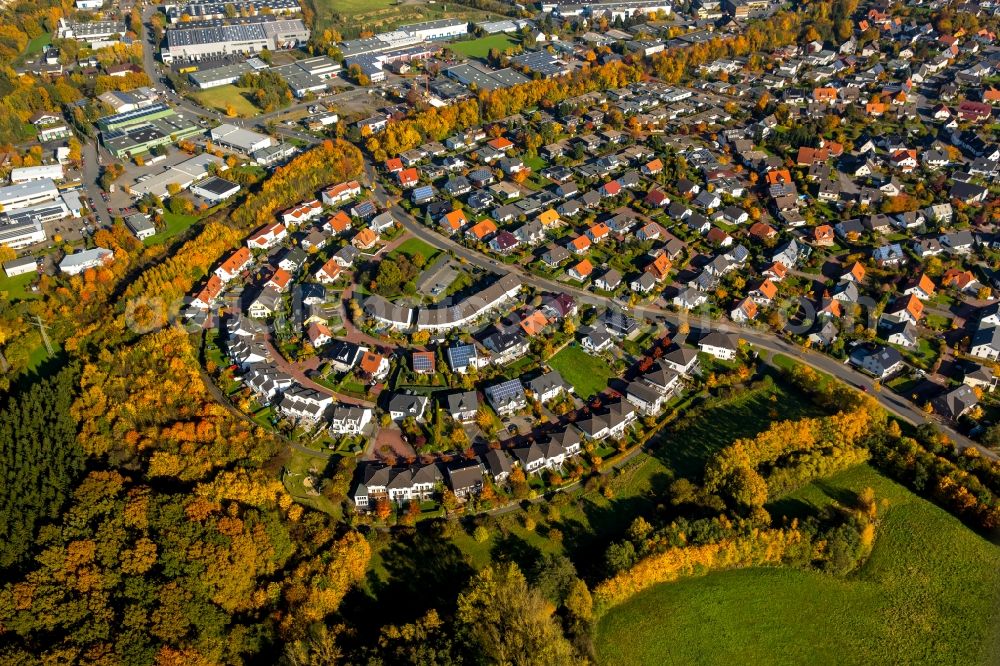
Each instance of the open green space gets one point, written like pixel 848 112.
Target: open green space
pixel 173 224
pixel 414 246
pixel 350 17
pixel 480 48
pixel 221 97
pixel 588 374
pixel 35 47
pixel 927 594
pixel 302 473
pixel 687 444
pixel 16 288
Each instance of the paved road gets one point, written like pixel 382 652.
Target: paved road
pixel 91 182
pixel 161 82
pixel 296 372
pixel 887 398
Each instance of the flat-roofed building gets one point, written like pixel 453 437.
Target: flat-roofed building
pixel 219 76
pixel 184 175
pixel 215 190
pixel 22 234
pixel 216 38
pixel 43 172
pixel 28 194
pixel 239 139
pixel 208 11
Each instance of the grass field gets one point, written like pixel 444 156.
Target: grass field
pixel 927 594
pixel 588 374
pixel 412 246
pixel 35 47
pixel 687 445
pixel 222 96
pixel 350 17
pixel 172 225
pixel 16 288
pixel 480 48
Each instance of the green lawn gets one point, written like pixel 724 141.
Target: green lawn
pixel 221 96
pixel 927 594
pixel 412 246
pixel 35 46
pixel 480 48
pixel 16 288
pixel 172 225
pixel 588 374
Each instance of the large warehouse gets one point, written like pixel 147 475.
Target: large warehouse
pixel 239 139
pixel 216 38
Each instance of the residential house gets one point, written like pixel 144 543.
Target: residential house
pixel 506 397
pixel 720 345
pixel 405 405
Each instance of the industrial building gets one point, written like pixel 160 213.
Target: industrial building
pixel 43 172
pixel 484 78
pixel 183 175
pixel 239 139
pixel 215 190
pixel 208 11
pixel 310 75
pixel 440 29
pixel 24 195
pixel 542 62
pixel 219 76
pixel 123 102
pixel 201 40
pixel 406 35
pixel 274 154
pixel 20 266
pixel 21 234
pixel 135 132
pixel 95 33
pixel 74 264
pixel 140 225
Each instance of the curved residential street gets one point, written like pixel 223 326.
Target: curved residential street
pixel 887 398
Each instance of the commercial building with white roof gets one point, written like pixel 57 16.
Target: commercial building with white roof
pixel 239 139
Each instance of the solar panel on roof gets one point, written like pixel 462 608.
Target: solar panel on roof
pixel 507 391
pixel 461 355
pixel 423 362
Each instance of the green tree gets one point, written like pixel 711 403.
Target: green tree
pixel 508 622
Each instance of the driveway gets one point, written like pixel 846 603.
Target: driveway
pixel 299 375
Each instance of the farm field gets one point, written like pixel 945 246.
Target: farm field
pixel 588 374
pixel 221 97
pixel 927 594
pixel 480 48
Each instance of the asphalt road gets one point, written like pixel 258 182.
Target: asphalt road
pixel 887 398
pixel 91 182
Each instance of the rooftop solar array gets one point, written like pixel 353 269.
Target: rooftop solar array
pixel 422 362
pixel 506 391
pixel 460 355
